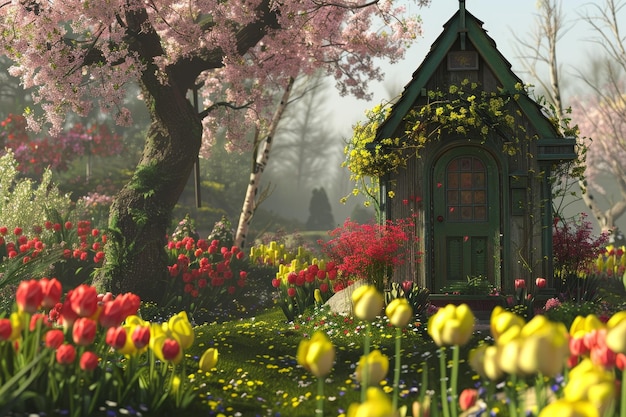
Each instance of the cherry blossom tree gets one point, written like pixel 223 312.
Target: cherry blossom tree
pixel 233 53
pixel 602 117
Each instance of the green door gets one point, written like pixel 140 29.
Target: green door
pixel 466 191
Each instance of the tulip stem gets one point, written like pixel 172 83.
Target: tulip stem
pixel 512 396
pixel 319 411
pixel 454 380
pixel 366 352
pixel 622 405
pixel 396 371
pixel 540 391
pixel 445 407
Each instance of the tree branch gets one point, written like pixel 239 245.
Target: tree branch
pixel 246 38
pixel 204 113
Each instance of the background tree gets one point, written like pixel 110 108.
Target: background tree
pixel 305 152
pixel 228 48
pixel 306 148
pixel 320 212
pixel 600 113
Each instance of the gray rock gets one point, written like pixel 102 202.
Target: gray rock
pixel 341 302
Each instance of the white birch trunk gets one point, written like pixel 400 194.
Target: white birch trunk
pixel 263 156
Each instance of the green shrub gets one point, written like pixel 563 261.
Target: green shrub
pixel 568 310
pixel 24 202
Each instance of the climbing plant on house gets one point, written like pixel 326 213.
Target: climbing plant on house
pixel 463 109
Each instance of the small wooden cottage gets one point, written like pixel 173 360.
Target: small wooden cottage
pixel 482 204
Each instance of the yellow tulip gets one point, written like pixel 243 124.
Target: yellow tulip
pixel 367 302
pixel 610 264
pixel 399 312
pixel 616 337
pixel 317 295
pixel 180 326
pixel 543 354
pixel 451 325
pixel 208 360
pixel 617 317
pixel 17 319
pixel 316 354
pixel 377 367
pixel 376 404
pixel 583 325
pixel 484 361
pixel 503 321
pixel 593 383
pixel 421 409
pixel 508 358
pixel 175 384
pixel 565 408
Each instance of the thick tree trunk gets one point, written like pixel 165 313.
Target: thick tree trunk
pixel 139 217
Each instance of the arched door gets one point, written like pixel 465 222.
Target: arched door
pixel 466 193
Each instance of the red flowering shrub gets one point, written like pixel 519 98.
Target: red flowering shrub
pixel 202 273
pixel 369 251
pixel 69 251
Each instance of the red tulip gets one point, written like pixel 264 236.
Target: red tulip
pixel 84 300
pixel 170 349
pixel 5 329
pixel 66 354
pixel 52 290
pixel 468 398
pixel 29 296
pixel 520 284
pixel 620 361
pixel 116 337
pixel 541 282
pixel 54 339
pixel 112 313
pixel 38 317
pixel 88 361
pixel 67 315
pixel 577 346
pixel 141 336
pixel 131 303
pixel 84 331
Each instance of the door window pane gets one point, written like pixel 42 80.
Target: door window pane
pixel 466 190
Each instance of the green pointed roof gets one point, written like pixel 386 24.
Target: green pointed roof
pixel 486 48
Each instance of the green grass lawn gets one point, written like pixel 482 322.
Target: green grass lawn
pixel 257 373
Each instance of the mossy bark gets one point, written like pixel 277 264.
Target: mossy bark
pixel 141 213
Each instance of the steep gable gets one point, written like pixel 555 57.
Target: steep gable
pixel 464 25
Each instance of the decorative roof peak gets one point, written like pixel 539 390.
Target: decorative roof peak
pixel 462 28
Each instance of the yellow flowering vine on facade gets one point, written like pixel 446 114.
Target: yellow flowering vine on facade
pixel 461 110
